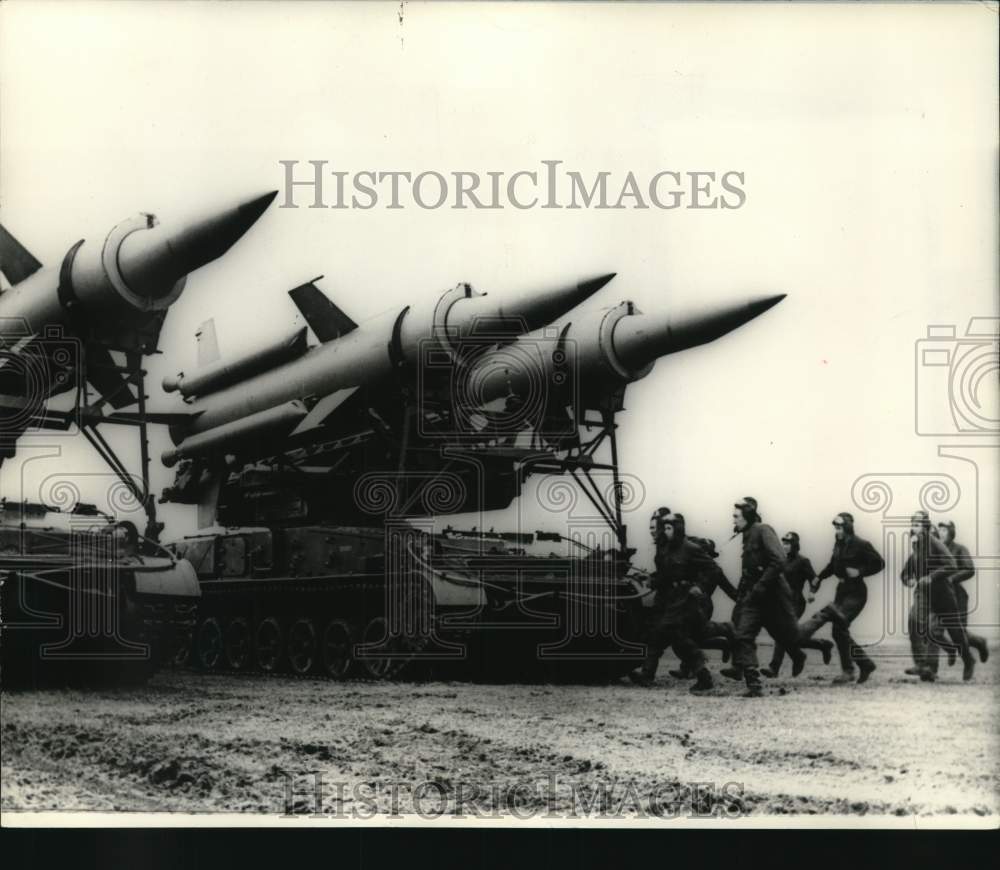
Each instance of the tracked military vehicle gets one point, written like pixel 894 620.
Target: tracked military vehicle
pixel 85 599
pixel 326 470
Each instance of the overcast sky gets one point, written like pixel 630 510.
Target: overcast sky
pixel 867 137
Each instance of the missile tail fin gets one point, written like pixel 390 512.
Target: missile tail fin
pixel 324 318
pixel 16 261
pixel 323 409
pixel 106 377
pixel 208 343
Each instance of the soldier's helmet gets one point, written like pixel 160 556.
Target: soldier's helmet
pixel 748 507
pixel 921 518
pixel 846 520
pixel 792 539
pixel 947 529
pixel 658 517
pixel 677 521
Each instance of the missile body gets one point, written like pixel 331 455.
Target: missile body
pixel 598 351
pixel 134 274
pixel 370 355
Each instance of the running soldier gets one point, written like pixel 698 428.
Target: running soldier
pixel 677 618
pixel 765 600
pixel 931 566
pixel 966 571
pixel 798 572
pixel 853 560
pixel 713 635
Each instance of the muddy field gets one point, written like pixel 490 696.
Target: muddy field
pixel 202 744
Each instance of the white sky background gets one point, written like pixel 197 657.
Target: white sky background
pixel 867 135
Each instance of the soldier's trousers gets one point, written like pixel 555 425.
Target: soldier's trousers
pixel 848 602
pixel 927 623
pixel 681 634
pixel 805 643
pixel 773 609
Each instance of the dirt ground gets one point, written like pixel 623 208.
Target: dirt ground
pixel 199 743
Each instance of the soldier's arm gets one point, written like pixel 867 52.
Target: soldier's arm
pixel 722 582
pixel 826 572
pixel 963 561
pixel 773 554
pixel 873 562
pixel 810 574
pixel 941 559
pixel 909 569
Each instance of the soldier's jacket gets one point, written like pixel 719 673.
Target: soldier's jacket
pixel 963 562
pixel 852 552
pixel 679 569
pixel 798 572
pixel 929 557
pixel 763 559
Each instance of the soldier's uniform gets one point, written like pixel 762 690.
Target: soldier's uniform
pixel 966 570
pixel 765 600
pixel 931 565
pixel 678 611
pixel 712 635
pixel 798 571
pixel 849 553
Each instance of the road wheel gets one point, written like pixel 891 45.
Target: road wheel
pixel 267 644
pixel 302 646
pixel 377 659
pixel 238 643
pixel 209 644
pixel 338 649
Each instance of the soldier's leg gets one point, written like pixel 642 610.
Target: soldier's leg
pixel 782 623
pixel 922 647
pixel 657 641
pixel 752 613
pixel 850 601
pixel 822 644
pixel 976 641
pixel 943 602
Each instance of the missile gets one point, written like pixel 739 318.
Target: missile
pixel 397 343
pixel 600 351
pixel 137 271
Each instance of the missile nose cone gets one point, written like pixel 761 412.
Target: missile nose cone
pixel 764 303
pixel 592 285
pixel 152 261
pixel 538 309
pixel 642 338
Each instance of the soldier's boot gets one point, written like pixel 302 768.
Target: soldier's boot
pixel 952 656
pixel 681 673
pixel 843 678
pixel 980 646
pixel 727 654
pixel 640 678
pixel 865 669
pixel 770 671
pixel 754 688
pixel 798 661
pixel 733 673
pixel 704 682
pixel 914 671
pixel 968 667
pixel 927 675
pixel 827 651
